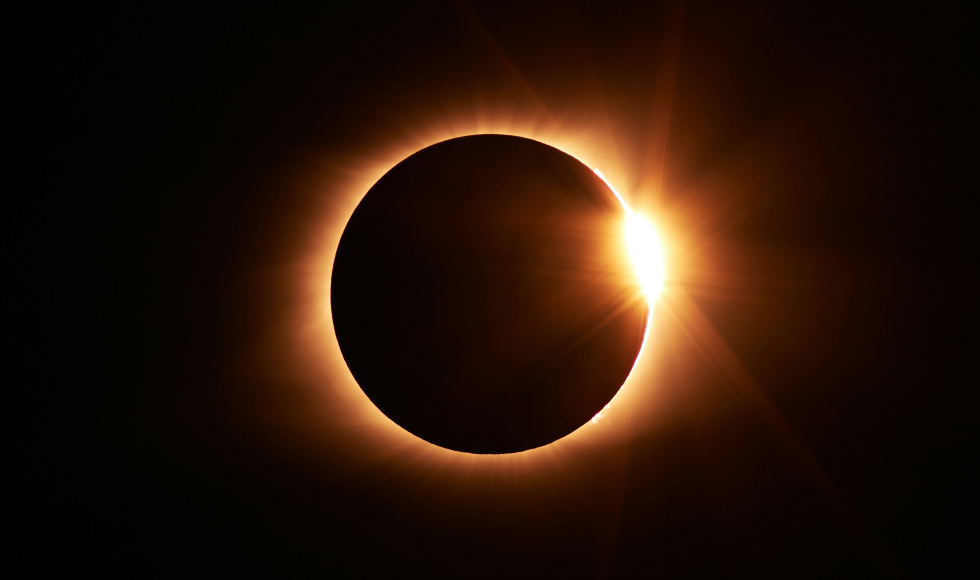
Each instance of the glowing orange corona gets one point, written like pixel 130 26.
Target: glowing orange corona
pixel 351 181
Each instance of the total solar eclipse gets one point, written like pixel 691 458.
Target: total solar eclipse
pixel 486 294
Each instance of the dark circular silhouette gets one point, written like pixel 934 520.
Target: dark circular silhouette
pixel 482 294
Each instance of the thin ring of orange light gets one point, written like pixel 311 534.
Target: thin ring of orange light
pixel 322 351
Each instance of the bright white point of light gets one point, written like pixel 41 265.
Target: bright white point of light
pixel 595 419
pixel 644 249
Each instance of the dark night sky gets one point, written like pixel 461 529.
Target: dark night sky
pixel 816 158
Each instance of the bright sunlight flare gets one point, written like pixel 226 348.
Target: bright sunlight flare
pixel 645 252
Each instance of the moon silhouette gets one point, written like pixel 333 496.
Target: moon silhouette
pixel 483 296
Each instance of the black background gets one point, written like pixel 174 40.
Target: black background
pixel 834 237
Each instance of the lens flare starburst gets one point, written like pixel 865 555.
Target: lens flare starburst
pixel 645 253
pixel 643 245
